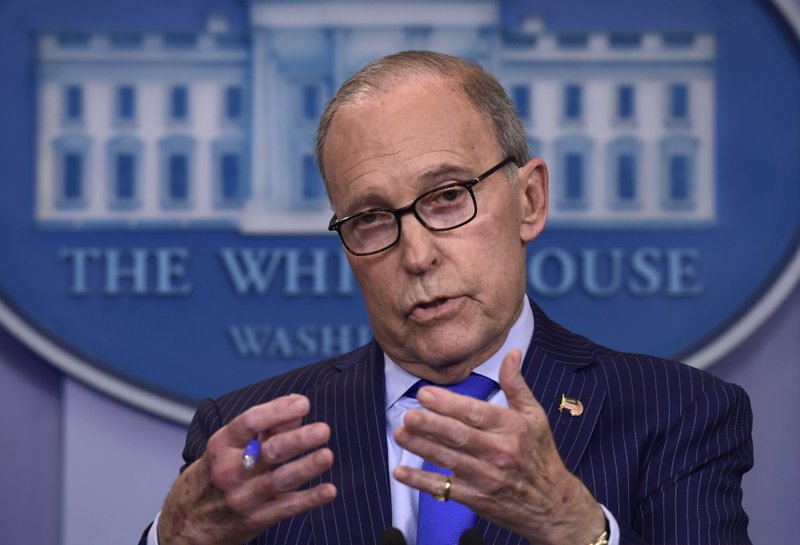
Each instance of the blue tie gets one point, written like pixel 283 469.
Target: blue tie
pixel 443 522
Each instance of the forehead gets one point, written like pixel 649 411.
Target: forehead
pixel 390 142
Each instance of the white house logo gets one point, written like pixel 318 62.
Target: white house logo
pixel 165 224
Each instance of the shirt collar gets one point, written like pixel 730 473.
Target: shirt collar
pixel 398 380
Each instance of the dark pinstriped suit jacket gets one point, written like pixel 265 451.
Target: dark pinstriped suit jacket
pixel 663 446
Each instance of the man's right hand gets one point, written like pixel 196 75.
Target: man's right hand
pixel 217 501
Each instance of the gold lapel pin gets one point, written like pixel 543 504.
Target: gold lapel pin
pixel 574 406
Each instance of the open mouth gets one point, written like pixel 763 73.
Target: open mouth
pixel 435 310
pixel 433 304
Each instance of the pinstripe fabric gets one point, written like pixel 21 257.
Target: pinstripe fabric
pixel 663 446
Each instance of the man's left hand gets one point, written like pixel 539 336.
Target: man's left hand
pixel 505 464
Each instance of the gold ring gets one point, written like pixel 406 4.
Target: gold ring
pixel 445 494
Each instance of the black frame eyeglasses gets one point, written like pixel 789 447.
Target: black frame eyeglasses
pixel 442 208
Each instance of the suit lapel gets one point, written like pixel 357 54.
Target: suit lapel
pixel 551 368
pixel 555 365
pixel 354 405
pixel 571 433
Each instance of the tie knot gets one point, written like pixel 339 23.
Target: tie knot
pixel 474 385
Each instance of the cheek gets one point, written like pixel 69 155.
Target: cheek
pixel 376 283
pixel 498 255
pixel 495 235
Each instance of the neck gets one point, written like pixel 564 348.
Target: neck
pixel 445 374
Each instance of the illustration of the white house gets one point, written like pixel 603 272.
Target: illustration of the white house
pixel 213 128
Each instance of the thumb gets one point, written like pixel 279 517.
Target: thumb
pixel 520 398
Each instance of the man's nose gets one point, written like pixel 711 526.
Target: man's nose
pixel 417 245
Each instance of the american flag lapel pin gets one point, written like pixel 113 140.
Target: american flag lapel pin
pixel 574 406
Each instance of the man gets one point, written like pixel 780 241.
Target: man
pixel 435 200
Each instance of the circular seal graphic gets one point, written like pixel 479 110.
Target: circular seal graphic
pixel 164 224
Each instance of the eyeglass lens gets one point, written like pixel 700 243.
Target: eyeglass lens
pixel 440 209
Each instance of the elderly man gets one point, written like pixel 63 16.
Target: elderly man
pixel 435 201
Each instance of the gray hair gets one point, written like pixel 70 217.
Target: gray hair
pixel 481 89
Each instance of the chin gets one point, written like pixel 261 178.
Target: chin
pixel 442 344
pixel 441 352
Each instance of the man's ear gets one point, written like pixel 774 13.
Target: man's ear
pixel 532 183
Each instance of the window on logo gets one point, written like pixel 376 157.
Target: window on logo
pixel 125 188
pixel 126 103
pixel 521 96
pixel 518 39
pixel 626 177
pixel 626 109
pixel 623 164
pixel 73 177
pixel 573 102
pixel 679 179
pixel 230 183
pixel 573 163
pixel 230 177
pixel 178 181
pixel 124 160
pixel 180 40
pixel 572 171
pixel 73 103
pixel 233 103
pixel 179 103
pixel 71 170
pixel 126 40
pixel 625 40
pixel 678 39
pixel 679 102
pixel 176 156
pixel 575 40
pixel 76 40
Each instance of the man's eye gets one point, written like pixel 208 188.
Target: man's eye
pixel 449 196
pixel 370 221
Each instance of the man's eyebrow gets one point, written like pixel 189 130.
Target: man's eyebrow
pixel 457 172
pixel 439 173
pixel 371 198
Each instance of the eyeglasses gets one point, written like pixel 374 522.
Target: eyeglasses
pixel 441 209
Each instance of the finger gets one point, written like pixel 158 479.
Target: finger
pixel 293 503
pixel 264 487
pixel 473 412
pixel 466 464
pixel 432 483
pixel 289 444
pixel 519 395
pixel 427 434
pixel 286 426
pixel 263 436
pixel 278 412
pixel 426 447
pixel 298 472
